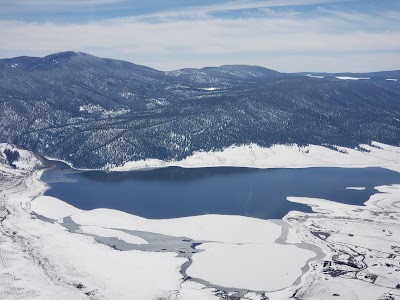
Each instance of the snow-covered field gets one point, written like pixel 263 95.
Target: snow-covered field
pixel 52 250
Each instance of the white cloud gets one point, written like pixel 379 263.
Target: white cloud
pixel 206 10
pixel 252 4
pixel 53 3
pixel 288 42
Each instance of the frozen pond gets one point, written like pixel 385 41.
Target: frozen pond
pixel 176 192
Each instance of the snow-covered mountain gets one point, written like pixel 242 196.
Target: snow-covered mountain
pixel 92 111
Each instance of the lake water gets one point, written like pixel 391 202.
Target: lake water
pixel 176 192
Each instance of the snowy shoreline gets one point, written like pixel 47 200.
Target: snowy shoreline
pixel 210 267
pixel 277 156
pixel 76 255
pixel 232 234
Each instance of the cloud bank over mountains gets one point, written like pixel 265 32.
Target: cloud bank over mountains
pixel 290 36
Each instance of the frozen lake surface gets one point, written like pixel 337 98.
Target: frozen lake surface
pixel 176 192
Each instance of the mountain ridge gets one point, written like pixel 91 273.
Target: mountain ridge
pixel 92 111
pixel 75 53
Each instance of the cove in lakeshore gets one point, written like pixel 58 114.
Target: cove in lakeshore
pixel 178 192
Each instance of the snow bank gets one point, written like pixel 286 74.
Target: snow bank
pixel 323 205
pixel 350 78
pixel 209 89
pixel 281 156
pixel 315 76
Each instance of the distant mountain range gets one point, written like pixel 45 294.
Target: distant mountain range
pixel 92 111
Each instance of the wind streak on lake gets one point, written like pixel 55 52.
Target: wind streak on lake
pixel 177 192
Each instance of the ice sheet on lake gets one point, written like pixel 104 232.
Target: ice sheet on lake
pixel 52 208
pixel 257 267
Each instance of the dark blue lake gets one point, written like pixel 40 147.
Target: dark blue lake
pixel 177 192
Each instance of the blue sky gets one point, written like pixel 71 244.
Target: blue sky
pixel 286 35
